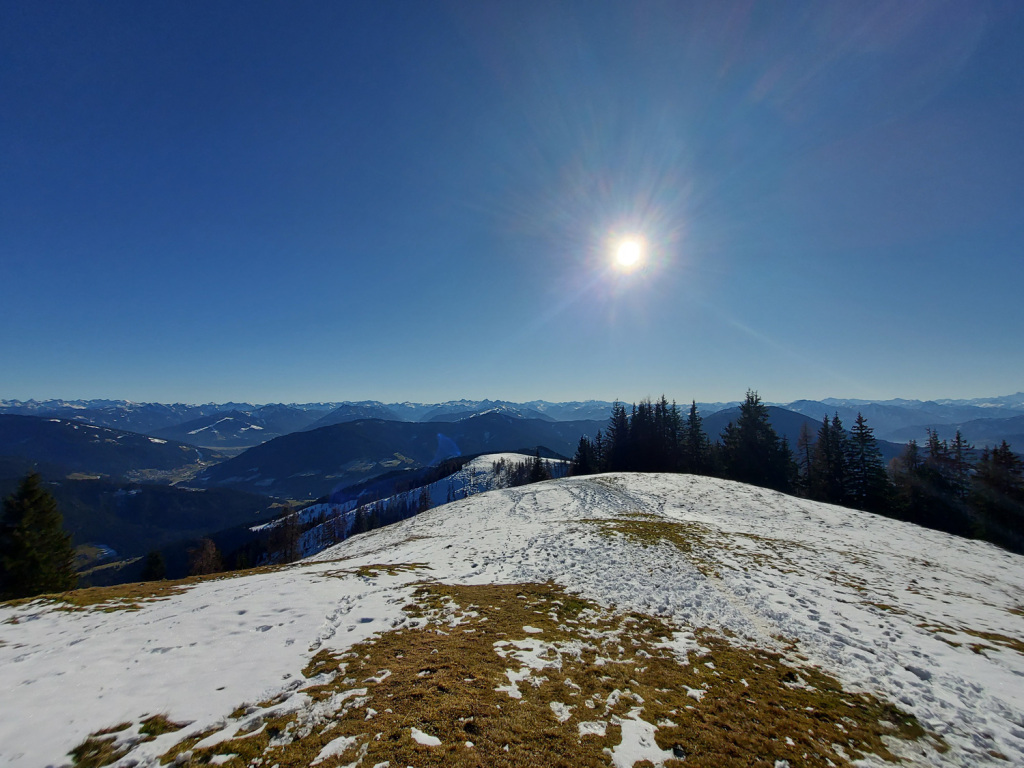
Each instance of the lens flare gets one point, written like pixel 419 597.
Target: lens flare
pixel 629 254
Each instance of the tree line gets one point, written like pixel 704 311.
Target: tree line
pixel 946 485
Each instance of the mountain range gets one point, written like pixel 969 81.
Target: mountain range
pixel 307 465
pixel 235 426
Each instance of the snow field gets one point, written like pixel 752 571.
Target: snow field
pixel 926 621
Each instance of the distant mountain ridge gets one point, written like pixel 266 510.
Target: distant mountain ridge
pixel 240 429
pixel 307 465
pixel 253 424
pixel 91 450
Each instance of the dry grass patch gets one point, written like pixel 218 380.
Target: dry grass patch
pixel 130 597
pixel 994 638
pixel 700 542
pixel 519 675
pixel 373 571
pixel 157 725
pixel 109 745
pixel 98 751
pixel 654 532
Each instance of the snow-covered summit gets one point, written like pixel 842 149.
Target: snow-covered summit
pixel 625 617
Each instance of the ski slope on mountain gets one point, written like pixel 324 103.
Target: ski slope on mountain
pixel 582 577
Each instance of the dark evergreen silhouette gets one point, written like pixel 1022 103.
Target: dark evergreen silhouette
pixel 694 445
pixel 997 495
pixel 828 479
pixel 868 482
pixel 36 555
pixel 583 460
pixel 155 567
pixel 752 451
pixel 205 559
pixel 618 448
pixel 284 538
pixel 538 469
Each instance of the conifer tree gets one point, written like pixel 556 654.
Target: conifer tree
pixel 205 558
pixel 35 553
pixel 960 465
pixel 154 568
pixel 695 446
pixel 804 444
pixel 583 460
pixel 829 463
pixel 618 442
pixel 537 471
pixel 423 503
pixel 997 496
pixel 752 451
pixel 907 477
pixel 600 452
pixel 285 537
pixel 869 484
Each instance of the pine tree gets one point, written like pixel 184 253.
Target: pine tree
pixel 829 473
pixel 583 461
pixel 538 472
pixel 618 440
pixel 909 485
pixel 695 448
pixel 869 485
pixel 752 451
pixel 423 503
pixel 804 444
pixel 36 555
pixel 946 508
pixel 154 568
pixel 600 452
pixel 285 537
pixel 960 465
pixel 997 496
pixel 205 558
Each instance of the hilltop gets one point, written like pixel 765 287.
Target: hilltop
pixel 599 620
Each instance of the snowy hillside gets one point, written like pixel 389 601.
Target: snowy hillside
pixel 482 474
pixel 589 621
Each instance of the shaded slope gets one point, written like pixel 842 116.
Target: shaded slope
pixel 307 465
pixel 95 450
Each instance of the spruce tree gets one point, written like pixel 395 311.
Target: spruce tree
pixel 869 485
pixel 583 461
pixel 600 452
pixel 154 567
pixel 804 444
pixel 423 503
pixel 204 559
pixel 538 471
pixel 752 451
pixel 695 446
pixel 36 555
pixel 617 448
pixel 997 496
pixel 960 465
pixel 829 473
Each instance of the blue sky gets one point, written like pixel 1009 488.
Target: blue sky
pixel 206 201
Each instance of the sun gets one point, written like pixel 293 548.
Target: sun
pixel 629 254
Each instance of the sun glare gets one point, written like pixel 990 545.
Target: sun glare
pixel 629 254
